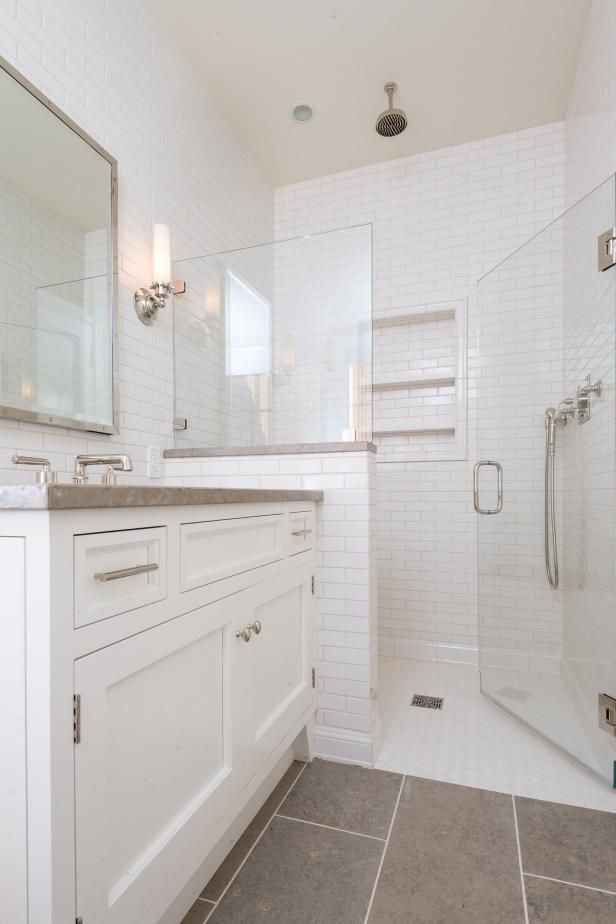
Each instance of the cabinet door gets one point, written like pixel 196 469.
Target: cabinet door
pixel 155 766
pixel 274 669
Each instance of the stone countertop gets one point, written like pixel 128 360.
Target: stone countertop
pixel 76 497
pixel 288 449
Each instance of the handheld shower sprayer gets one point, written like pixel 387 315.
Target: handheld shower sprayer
pixel 550 541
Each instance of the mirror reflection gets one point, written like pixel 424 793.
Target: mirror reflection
pixel 57 238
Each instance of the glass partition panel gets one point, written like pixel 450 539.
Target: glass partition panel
pixel 273 344
pixel 546 486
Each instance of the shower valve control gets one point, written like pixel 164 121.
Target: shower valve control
pixel 607 713
pixel 583 397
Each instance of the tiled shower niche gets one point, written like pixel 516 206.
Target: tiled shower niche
pixel 419 384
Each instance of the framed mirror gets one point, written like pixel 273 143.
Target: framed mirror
pixel 58 259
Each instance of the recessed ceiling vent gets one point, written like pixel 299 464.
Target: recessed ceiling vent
pixel 392 121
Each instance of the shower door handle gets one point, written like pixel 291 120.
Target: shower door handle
pixel 499 497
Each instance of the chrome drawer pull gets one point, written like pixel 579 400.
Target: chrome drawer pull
pixel 301 532
pixel 125 572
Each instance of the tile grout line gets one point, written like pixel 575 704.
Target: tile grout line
pixel 236 873
pixel 304 821
pixel 378 872
pixel 517 840
pixel 576 885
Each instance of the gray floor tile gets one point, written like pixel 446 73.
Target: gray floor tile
pixel 343 796
pixel 303 874
pixel 233 860
pixel 566 842
pixel 199 913
pixel 556 903
pixel 452 859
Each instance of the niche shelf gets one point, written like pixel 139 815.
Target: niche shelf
pixel 420 374
pixel 436 381
pixel 414 431
pixel 414 317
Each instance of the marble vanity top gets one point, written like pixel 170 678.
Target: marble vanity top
pixel 75 497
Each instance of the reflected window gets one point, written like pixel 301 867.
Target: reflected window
pixel 248 329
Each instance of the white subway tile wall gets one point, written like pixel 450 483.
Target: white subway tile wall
pixel 347 719
pixel 116 72
pixel 441 219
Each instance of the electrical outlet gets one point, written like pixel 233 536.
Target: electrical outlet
pixel 155 462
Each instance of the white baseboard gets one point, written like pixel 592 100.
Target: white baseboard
pixel 429 651
pixel 347 747
pixel 492 658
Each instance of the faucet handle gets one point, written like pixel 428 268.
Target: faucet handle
pixel 121 464
pixel 45 475
pixel 109 477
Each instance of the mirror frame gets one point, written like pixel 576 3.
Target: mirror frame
pixel 14 413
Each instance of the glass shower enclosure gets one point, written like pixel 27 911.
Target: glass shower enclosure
pixel 545 482
pixel 273 343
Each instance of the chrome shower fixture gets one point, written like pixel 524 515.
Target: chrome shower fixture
pixel 583 396
pixel 392 121
pixel 579 407
pixel 552 416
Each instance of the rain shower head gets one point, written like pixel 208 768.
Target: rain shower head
pixel 392 121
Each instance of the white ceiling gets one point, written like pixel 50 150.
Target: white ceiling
pixel 466 69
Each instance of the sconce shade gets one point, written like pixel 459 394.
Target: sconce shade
pixel 148 301
pixel 161 253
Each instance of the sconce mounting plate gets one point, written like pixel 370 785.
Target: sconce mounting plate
pixel 146 306
pixel 148 301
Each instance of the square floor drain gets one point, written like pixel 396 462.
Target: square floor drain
pixel 427 702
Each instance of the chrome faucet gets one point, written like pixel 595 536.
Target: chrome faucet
pixel 119 463
pixel 45 475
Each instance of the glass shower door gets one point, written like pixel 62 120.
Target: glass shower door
pixel 546 340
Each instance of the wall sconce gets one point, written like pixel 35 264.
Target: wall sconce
pixel 148 301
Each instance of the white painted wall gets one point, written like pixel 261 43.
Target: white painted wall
pixel 114 70
pixel 441 220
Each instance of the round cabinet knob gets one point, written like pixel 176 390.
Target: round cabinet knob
pixel 244 633
pixel 256 627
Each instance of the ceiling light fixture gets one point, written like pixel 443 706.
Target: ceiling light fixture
pixel 302 113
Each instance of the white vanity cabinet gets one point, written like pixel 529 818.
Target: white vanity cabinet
pixel 152 721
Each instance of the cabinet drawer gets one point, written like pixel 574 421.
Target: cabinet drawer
pixel 118 571
pixel 217 549
pixel 301 531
